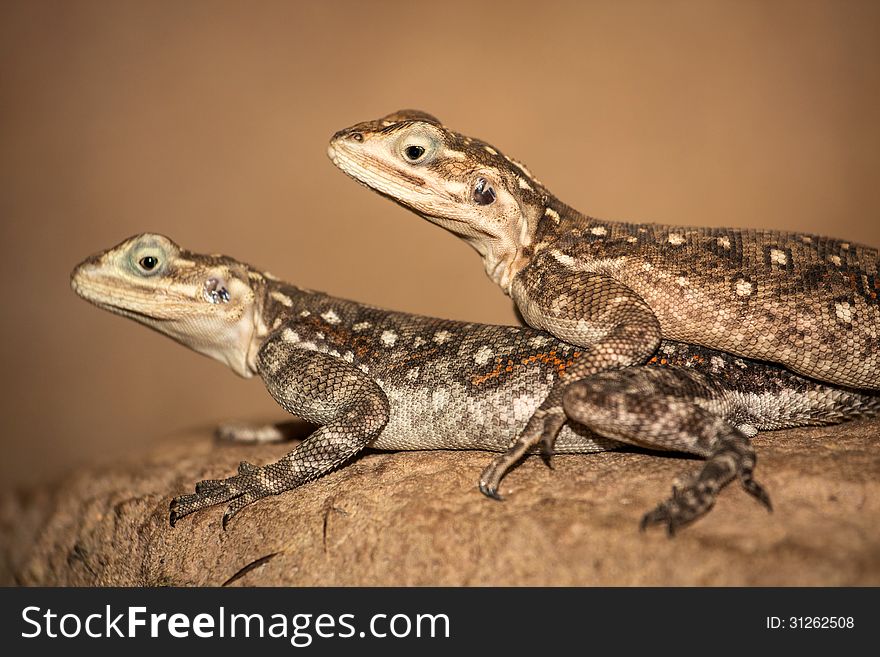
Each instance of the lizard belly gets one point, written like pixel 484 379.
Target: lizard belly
pixel 456 415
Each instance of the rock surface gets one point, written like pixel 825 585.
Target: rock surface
pixel 417 519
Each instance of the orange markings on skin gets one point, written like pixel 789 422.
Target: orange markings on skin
pixel 546 358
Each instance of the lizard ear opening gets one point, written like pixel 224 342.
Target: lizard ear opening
pixel 215 291
pixel 411 115
pixel 484 194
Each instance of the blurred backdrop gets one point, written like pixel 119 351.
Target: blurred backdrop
pixel 208 121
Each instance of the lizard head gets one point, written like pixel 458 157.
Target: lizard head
pixel 454 181
pixel 207 303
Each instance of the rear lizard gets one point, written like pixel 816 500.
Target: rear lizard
pixel 616 289
pixel 390 380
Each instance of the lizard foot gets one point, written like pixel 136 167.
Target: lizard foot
pixel 697 497
pixel 542 428
pixel 249 485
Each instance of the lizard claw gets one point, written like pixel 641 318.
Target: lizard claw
pixel 757 491
pixel 490 491
pixel 548 443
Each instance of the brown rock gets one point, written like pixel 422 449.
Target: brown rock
pixel 417 519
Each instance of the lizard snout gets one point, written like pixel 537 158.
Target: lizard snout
pixel 348 135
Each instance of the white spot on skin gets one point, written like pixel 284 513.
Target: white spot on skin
pixel 439 398
pixel 562 258
pixel 419 341
pixel 490 150
pixel 361 326
pixel 523 407
pixel 483 355
pixel 743 288
pixel 717 363
pixel 844 246
pixel 778 257
pixel 647 266
pixel 553 214
pixel 524 184
pixel 724 242
pixel 836 260
pixel 413 374
pixel 348 357
pixel 389 338
pixel 682 281
pixel 270 276
pixel 806 239
pixel 599 230
pixel 442 336
pixel 632 240
pixel 330 317
pixel 675 239
pixel 538 341
pixel 843 311
pixel 276 323
pixel 749 430
pixel 387 124
pixel 319 335
pixel 363 368
pixel 522 166
pixel 253 275
pixel 290 336
pixel 305 313
pixel 283 299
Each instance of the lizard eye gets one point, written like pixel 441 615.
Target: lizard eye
pixel 148 263
pixel 483 193
pixel 413 153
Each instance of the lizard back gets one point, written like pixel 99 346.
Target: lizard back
pixel 807 302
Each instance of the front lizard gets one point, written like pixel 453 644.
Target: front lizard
pixel 806 302
pixel 371 377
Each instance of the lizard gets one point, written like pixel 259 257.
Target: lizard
pixel 370 377
pixel 805 302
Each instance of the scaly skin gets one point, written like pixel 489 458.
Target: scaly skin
pixel 616 289
pixel 371 377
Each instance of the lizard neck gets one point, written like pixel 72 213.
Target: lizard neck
pixel 539 225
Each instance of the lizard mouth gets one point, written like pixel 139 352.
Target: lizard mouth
pixel 379 176
pixel 103 297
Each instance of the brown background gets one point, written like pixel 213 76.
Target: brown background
pixel 208 121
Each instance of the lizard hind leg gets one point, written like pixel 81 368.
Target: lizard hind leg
pixel 659 409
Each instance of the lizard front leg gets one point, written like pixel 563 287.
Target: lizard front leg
pixel 613 324
pixel 657 409
pixel 350 406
